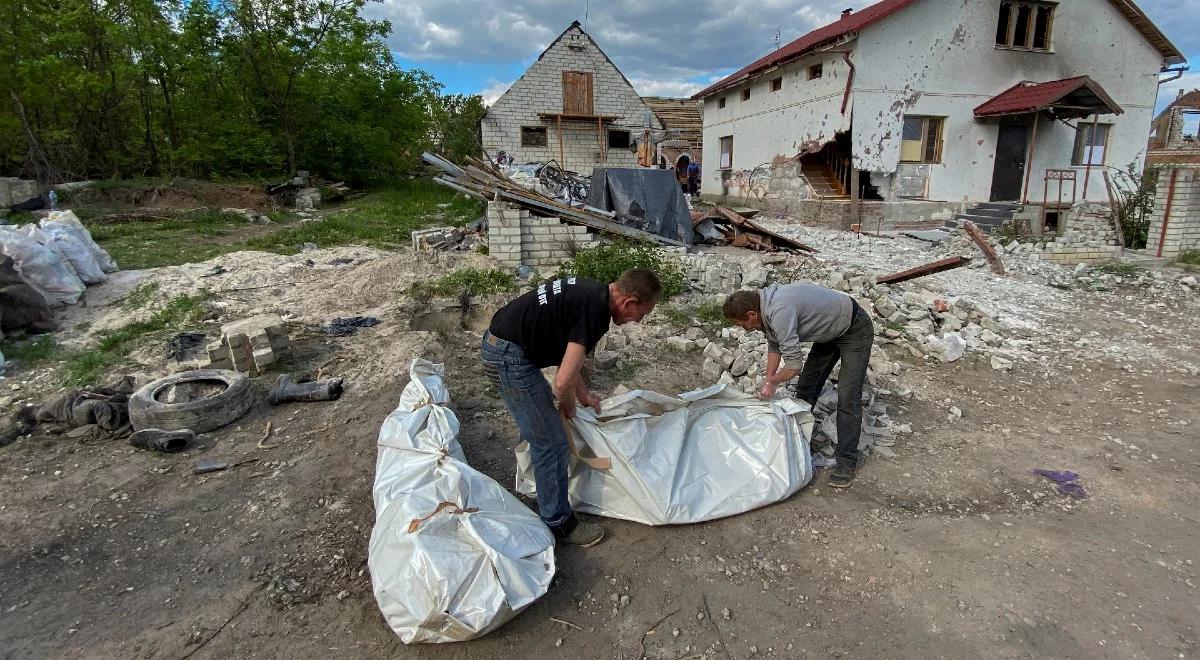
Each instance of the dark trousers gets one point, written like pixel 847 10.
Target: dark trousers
pixel 853 348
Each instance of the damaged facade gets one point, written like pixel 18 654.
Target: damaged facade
pixel 922 108
pixel 572 106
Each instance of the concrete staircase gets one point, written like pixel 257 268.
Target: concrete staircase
pixel 822 179
pixel 988 216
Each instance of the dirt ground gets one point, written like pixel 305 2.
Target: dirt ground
pixel 952 549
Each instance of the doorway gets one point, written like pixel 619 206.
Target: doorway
pixel 1009 173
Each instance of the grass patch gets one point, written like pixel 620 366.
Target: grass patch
pixel 148 243
pixel 140 297
pixel 473 281
pixel 1121 268
pixel 1189 259
pixel 89 366
pixel 31 352
pixel 711 313
pixel 627 369
pixel 384 219
pixel 605 263
pixel 680 317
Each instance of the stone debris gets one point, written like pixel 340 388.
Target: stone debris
pixel 444 238
pixel 251 345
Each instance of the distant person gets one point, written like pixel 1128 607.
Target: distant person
pixel 558 324
pixel 693 178
pixel 791 314
pixel 681 167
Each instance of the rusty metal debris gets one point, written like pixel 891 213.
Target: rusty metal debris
pixel 922 271
pixel 728 227
pixel 982 242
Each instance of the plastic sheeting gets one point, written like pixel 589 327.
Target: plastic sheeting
pixel 453 555
pixel 645 199
pixel 66 222
pixel 707 454
pixel 40 265
pixel 75 251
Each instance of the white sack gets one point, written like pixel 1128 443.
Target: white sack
pixel 710 453
pixel 453 555
pixel 76 252
pixel 66 222
pixel 41 266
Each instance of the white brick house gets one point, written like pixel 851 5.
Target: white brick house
pixel 572 106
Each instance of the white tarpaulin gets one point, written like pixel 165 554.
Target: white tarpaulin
pixel 710 453
pixel 453 555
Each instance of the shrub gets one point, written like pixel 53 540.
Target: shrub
pixel 605 263
pixel 472 281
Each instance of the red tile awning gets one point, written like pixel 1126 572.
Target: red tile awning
pixel 1071 97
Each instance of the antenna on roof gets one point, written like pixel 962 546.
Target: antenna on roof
pixel 587 5
pixel 777 35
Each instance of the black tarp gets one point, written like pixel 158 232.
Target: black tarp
pixel 645 199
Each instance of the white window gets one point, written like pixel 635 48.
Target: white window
pixel 726 152
pixel 921 141
pixel 1025 25
pixel 1090 144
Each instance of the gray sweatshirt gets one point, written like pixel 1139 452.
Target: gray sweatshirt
pixel 796 313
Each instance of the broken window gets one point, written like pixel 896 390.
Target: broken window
pixel 721 103
pixel 726 152
pixel 816 71
pixel 618 139
pixel 1191 125
pixel 1025 25
pixel 776 84
pixel 746 94
pixel 1091 141
pixel 533 136
pixel 921 141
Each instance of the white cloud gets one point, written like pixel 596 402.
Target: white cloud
pixel 1167 92
pixel 672 88
pixel 493 91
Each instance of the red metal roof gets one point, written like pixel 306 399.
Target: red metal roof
pixel 848 23
pixel 1030 97
pixel 856 21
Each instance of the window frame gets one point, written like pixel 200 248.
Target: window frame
pixel 1079 146
pixel 535 130
pixel 721 152
pixel 721 103
pixel 1036 9
pixel 815 71
pixel 745 94
pixel 938 144
pixel 628 138
pixel 777 84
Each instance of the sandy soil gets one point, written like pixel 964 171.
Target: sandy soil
pixel 952 549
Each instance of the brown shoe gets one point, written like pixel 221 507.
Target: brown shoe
pixel 585 535
pixel 843 475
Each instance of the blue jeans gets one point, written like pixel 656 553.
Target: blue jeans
pixel 531 402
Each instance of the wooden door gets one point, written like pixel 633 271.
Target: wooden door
pixel 577 93
pixel 1009 173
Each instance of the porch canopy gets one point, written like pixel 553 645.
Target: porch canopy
pixel 1068 98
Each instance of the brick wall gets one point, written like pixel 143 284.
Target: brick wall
pixel 516 237
pixel 1086 237
pixel 1183 223
pixel 540 90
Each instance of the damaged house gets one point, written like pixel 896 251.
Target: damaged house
pixel 572 106
pixel 912 110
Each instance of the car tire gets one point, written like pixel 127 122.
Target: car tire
pixel 199 415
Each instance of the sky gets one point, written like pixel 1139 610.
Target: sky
pixel 664 47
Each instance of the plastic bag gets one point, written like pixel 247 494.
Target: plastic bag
pixel 453 555
pixel 68 222
pixel 76 252
pixel 707 454
pixel 40 266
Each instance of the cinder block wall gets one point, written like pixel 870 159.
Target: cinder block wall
pixel 516 237
pixel 1087 236
pixel 1183 221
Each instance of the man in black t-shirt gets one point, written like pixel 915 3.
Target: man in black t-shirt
pixel 558 324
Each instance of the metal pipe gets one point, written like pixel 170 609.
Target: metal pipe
pixel 1178 73
pixel 1162 236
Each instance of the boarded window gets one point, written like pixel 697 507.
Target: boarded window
pixel 1025 25
pixel 533 136
pixel 727 152
pixel 776 84
pixel 1090 144
pixel 577 93
pixel 921 141
pixel 618 139
pixel 816 71
pixel 721 103
pixel 746 94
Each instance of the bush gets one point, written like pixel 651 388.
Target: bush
pixel 472 281
pixel 605 263
pixel 1188 258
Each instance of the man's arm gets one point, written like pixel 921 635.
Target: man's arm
pixel 773 358
pixel 584 395
pixel 567 380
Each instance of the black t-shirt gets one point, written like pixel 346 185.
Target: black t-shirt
pixel 543 321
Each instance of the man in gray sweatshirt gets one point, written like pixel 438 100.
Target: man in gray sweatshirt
pixel 792 314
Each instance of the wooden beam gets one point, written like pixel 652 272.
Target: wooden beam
pixel 562 158
pixel 984 246
pixel 743 224
pixel 922 271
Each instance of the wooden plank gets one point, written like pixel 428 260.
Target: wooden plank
pixel 984 246
pixel 577 92
pixel 745 225
pixel 922 271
